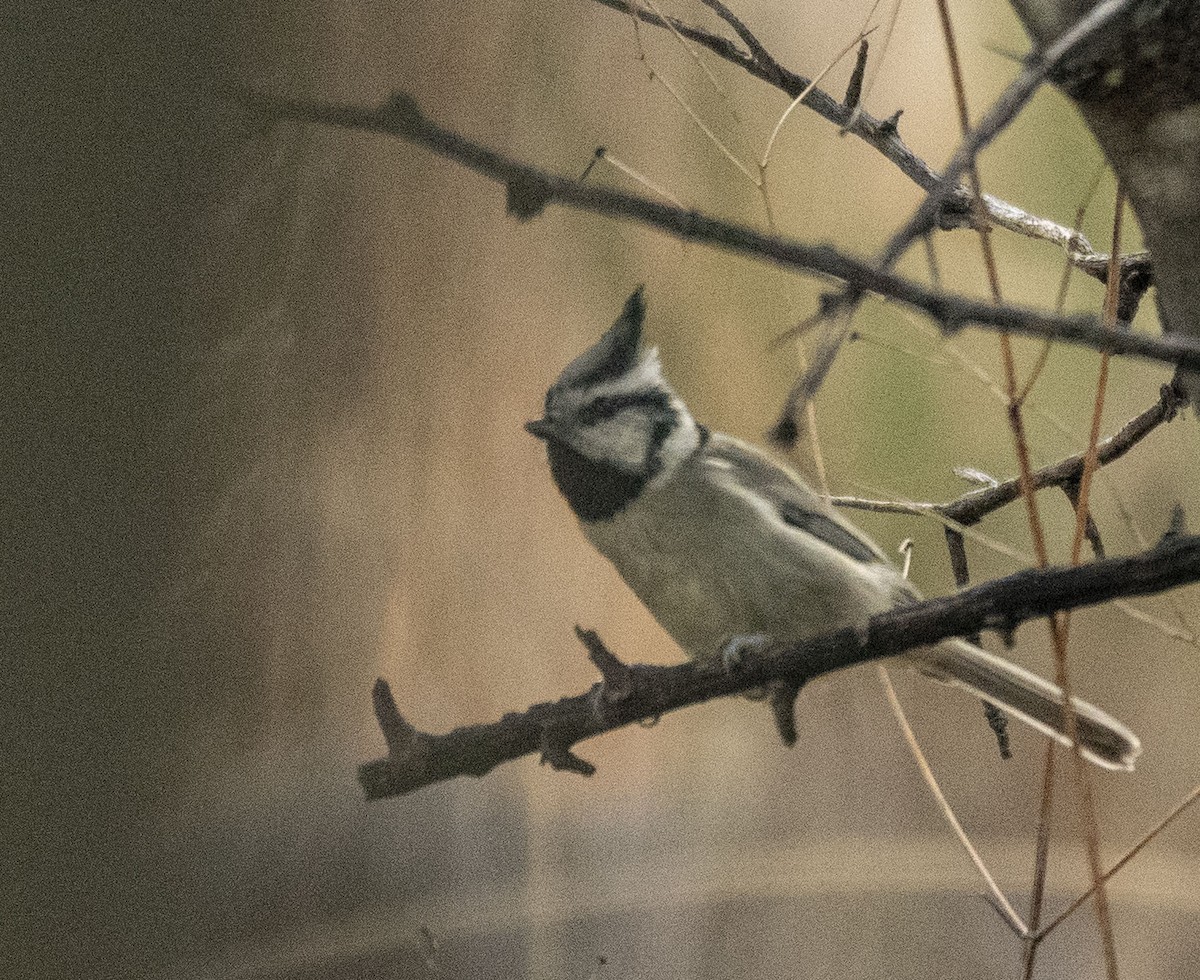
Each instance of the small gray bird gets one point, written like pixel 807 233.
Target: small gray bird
pixel 722 543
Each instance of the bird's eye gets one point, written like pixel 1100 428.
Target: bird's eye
pixel 604 407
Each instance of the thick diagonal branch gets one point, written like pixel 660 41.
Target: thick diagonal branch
pixel 553 728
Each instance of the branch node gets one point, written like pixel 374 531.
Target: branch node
pixel 617 675
pixel 949 322
pixel 402 110
pixel 891 125
pixel 1172 399
pixel 558 755
pixel 526 197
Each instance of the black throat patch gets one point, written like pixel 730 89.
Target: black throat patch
pixel 595 491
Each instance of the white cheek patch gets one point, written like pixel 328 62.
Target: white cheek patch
pixel 623 441
pixel 632 439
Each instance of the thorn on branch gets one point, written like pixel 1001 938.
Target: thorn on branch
pixel 782 699
pixel 596 158
pixel 558 755
pixel 998 722
pixel 401 738
pixel 1178 526
pixel 891 125
pixel 956 545
pixel 616 674
pixel 1004 625
pixel 785 432
pixel 1091 531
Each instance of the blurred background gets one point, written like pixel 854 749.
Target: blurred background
pixel 264 394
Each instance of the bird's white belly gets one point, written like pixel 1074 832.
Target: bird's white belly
pixel 708 570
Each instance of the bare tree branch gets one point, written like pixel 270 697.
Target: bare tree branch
pixel 972 507
pixel 955 208
pixel 531 189
pixel 1011 101
pixel 552 728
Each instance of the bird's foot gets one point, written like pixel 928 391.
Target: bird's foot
pixel 735 650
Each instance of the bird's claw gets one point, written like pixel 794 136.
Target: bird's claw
pixel 735 650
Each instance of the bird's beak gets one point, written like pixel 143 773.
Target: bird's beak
pixel 540 428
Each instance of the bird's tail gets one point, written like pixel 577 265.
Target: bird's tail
pixel 1037 702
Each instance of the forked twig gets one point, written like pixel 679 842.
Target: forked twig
pixel 1128 856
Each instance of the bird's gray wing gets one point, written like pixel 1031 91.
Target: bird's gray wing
pixel 794 501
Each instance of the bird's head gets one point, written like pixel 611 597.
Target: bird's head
pixel 612 425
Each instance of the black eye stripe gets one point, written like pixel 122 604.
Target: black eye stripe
pixel 606 406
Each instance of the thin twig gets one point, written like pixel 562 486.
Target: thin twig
pixel 1002 904
pixel 762 57
pixel 999 900
pixel 704 128
pixel 850 46
pixel 1011 101
pixel 1041 862
pixel 993 276
pixel 879 134
pixel 636 175
pixel 1128 856
pixel 1082 513
pixel 691 51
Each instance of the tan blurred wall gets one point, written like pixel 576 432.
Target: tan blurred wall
pixel 267 421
